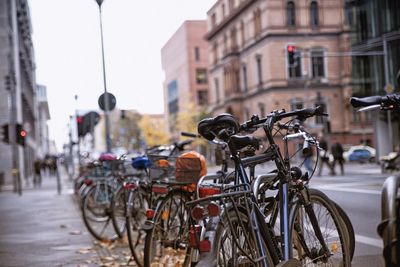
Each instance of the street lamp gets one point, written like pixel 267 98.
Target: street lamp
pixel 106 95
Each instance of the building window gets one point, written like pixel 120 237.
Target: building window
pixel 216 88
pixel 202 97
pixel 259 69
pixel 291 14
pixel 213 20
pixel 244 75
pixel 197 53
pixel 317 64
pixel 201 76
pixel 173 97
pixel 348 14
pixel 320 102
pixel 314 14
pixel 261 107
pixel 223 10
pixel 231 5
pixel 257 23
pixel 233 40
pixel 225 48
pixel 296 104
pixel 242 32
pixel 246 114
pixel 215 52
pixel 294 70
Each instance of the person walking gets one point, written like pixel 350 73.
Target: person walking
pixel 37 177
pixel 337 153
pixel 324 156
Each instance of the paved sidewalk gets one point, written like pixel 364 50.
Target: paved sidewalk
pixel 42 228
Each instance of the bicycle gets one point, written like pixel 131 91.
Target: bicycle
pixel 240 221
pixel 389 228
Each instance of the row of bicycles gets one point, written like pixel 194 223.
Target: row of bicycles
pixel 258 210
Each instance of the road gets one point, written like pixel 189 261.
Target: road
pixel 42 228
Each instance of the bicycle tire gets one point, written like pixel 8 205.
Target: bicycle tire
pixel 341 251
pixel 349 226
pixel 221 243
pixel 170 226
pixel 118 217
pixel 136 207
pixel 96 210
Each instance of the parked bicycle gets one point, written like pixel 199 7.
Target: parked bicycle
pixel 388 229
pixel 237 231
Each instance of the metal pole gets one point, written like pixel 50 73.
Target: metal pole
pixel 77 134
pixel 106 98
pixel 71 168
pixel 386 69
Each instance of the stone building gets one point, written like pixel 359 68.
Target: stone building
pixel 18 91
pixel 185 63
pixel 250 70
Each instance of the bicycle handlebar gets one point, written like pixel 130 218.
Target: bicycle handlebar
pixel 388 101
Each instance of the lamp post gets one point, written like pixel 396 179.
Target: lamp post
pixel 106 95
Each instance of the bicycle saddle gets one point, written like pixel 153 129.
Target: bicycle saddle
pixel 222 126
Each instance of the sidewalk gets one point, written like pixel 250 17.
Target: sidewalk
pixel 42 228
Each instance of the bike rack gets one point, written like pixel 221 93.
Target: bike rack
pixel 389 228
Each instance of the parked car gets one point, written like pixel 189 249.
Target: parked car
pixel 360 153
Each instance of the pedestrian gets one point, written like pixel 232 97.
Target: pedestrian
pixel 37 176
pixel 324 156
pixel 337 153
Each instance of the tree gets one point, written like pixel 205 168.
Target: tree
pixel 153 130
pixel 126 130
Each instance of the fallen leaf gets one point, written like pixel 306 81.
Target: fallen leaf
pixel 75 232
pixel 63 226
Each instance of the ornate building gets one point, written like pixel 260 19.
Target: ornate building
pixel 252 72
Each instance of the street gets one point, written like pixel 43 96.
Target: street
pixel 42 228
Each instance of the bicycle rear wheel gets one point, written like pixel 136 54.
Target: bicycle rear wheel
pixel 168 240
pixel 96 212
pixel 234 243
pixel 136 207
pixel 118 212
pixel 306 246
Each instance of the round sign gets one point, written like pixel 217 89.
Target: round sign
pixel 389 88
pixel 112 101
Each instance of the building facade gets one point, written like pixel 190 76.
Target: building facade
pixel 18 91
pixel 251 70
pixel 44 145
pixel 185 64
pixel 376 38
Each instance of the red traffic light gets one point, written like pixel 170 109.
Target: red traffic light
pixel 22 133
pixel 291 48
pixel 79 119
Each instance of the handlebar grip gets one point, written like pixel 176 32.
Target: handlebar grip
pixel 365 101
pixel 306 148
pixel 189 134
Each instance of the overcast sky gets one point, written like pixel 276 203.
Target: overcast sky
pixel 66 37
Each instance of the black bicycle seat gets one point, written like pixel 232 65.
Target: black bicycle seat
pixel 221 126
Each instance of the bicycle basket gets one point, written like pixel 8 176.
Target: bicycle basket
pixel 161 167
pixel 190 167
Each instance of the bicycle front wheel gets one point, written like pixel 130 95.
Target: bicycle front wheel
pixel 168 240
pixel 323 217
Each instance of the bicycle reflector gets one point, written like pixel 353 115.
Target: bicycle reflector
pixel 205 245
pixel 208 191
pixel 130 185
pixel 213 209
pixel 88 181
pixel 162 163
pixel 150 213
pixel 194 235
pixel 198 213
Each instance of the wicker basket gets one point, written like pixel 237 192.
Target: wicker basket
pixel 161 167
pixel 188 169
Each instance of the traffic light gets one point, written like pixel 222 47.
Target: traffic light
pixel 79 124
pixel 20 134
pixel 291 50
pixel 5 133
pixel 123 116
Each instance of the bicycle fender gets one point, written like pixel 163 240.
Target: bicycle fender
pixel 209 259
